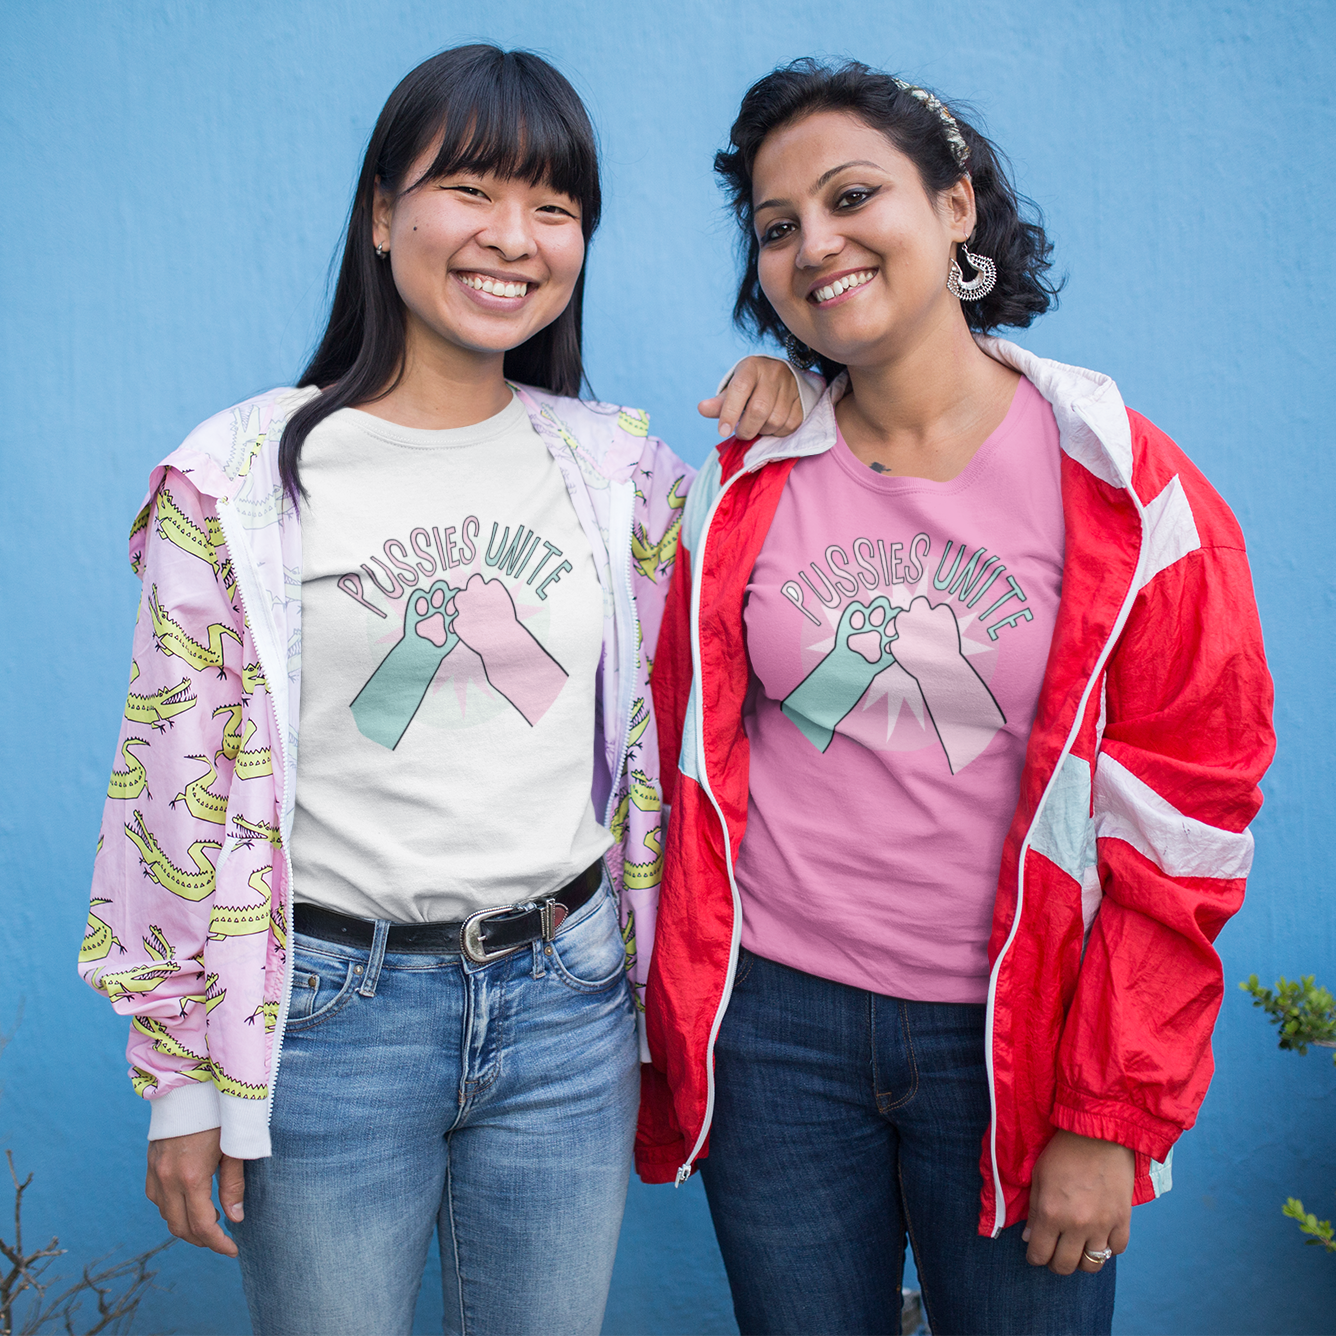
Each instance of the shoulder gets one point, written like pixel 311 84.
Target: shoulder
pixel 613 439
pixel 1167 480
pixel 235 436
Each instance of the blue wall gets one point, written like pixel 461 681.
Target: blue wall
pixel 177 177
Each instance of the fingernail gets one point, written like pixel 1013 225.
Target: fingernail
pixel 235 1212
pixel 1025 1236
pixel 725 429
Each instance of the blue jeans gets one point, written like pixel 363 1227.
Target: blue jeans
pixel 843 1121
pixel 494 1103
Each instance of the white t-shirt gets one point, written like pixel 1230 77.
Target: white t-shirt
pixel 451 631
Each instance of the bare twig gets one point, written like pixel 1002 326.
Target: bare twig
pixel 117 1289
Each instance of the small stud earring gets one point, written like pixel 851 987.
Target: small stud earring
pixel 978 287
pixel 381 252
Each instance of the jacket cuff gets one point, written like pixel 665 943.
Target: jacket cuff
pixel 1109 1120
pixel 810 386
pixel 186 1109
pixel 659 1164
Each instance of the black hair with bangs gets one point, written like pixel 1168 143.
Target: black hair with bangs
pixel 507 112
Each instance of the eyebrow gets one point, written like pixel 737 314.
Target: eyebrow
pixel 820 181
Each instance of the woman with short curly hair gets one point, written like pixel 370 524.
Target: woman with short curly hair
pixel 972 707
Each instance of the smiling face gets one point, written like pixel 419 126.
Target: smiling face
pixel 481 263
pixel 854 253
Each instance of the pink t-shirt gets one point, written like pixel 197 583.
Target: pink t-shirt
pixel 898 630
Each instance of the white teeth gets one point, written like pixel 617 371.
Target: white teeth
pixel 844 284
pixel 495 286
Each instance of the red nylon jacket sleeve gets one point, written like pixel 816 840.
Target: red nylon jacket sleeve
pixel 1188 700
pixel 659 1144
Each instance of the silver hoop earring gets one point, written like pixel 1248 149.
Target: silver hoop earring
pixel 383 254
pixel 798 352
pixel 978 287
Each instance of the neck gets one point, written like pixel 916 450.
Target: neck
pixel 923 408
pixel 443 385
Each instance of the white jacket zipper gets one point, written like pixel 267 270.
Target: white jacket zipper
pixel 241 558
pixel 999 1199
pixel 684 1172
pixel 624 626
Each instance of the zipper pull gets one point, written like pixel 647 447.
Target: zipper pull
pixel 683 1174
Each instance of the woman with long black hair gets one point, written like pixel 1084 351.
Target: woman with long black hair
pixel 973 706
pixel 381 985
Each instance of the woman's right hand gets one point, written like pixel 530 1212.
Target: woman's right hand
pixel 180 1185
pixel 760 399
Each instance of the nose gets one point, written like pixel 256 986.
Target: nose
pixel 820 241
pixel 509 234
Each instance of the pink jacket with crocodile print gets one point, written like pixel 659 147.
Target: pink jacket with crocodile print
pixel 188 924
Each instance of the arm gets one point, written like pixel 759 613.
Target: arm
pixel 162 832
pixel 1188 736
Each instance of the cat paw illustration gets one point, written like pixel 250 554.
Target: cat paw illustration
pixel 867 629
pixel 430 618
pixel 385 706
pixel 863 641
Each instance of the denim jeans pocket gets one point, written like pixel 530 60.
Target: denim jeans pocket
pixel 322 985
pixel 591 956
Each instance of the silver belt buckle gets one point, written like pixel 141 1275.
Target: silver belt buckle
pixel 470 936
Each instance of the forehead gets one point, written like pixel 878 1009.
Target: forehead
pixel 795 156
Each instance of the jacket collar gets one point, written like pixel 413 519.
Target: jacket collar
pixel 1091 417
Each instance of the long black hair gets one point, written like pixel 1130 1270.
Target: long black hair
pixel 1016 244
pixel 507 112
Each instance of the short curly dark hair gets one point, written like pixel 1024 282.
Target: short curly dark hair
pixel 1016 244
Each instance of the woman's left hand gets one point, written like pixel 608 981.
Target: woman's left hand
pixel 1080 1200
pixel 760 399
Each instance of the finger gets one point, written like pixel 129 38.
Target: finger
pixel 710 407
pixel 205 1231
pixel 1120 1236
pixel 1042 1238
pixel 172 1207
pixel 737 394
pixel 781 414
pixel 1093 1245
pixel 757 412
pixel 232 1187
pixel 1066 1255
pixel 787 403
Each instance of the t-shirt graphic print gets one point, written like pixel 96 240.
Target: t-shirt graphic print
pixel 481 616
pixel 452 625
pixel 926 643
pixel 897 630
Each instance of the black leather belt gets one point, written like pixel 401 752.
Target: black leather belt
pixel 482 937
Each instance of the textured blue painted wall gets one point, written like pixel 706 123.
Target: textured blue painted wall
pixel 177 177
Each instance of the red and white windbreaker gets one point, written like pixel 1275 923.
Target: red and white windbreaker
pixel 1129 846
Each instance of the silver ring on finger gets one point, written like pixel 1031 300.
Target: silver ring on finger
pixel 1097 1256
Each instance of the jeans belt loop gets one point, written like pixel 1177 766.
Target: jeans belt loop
pixel 553 916
pixel 372 975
